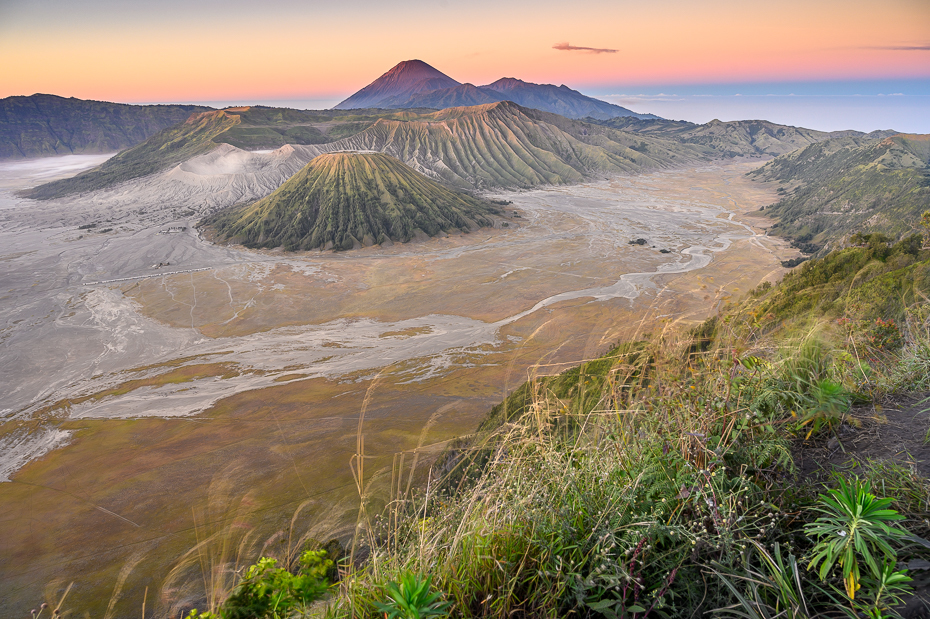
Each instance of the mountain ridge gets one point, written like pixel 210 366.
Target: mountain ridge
pixel 169 147
pixel 497 145
pixel 42 125
pixel 846 185
pixel 503 145
pixel 734 138
pixel 415 84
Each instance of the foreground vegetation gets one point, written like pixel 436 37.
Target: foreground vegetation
pixel 660 480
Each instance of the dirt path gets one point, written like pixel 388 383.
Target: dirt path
pixel 897 431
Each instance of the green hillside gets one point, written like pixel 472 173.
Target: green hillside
pixel 842 186
pixel 249 128
pixel 47 125
pixel 345 200
pixel 665 475
pixel 737 138
pixel 163 150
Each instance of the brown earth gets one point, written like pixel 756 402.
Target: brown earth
pixel 138 493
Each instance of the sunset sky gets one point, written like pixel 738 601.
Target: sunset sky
pixel 660 56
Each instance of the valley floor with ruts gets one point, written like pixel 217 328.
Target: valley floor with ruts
pixel 213 384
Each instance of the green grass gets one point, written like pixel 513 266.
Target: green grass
pixel 647 481
pixel 839 187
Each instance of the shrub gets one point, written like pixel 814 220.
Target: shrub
pixel 855 529
pixel 270 592
pixel 412 598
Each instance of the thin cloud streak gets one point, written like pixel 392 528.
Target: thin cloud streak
pixel 901 48
pixel 567 47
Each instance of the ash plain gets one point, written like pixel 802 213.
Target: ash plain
pixel 99 324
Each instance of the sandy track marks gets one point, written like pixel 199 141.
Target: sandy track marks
pixel 194 297
pixel 232 302
pixel 170 291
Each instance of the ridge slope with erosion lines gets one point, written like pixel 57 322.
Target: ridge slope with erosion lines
pixel 345 200
pixel 846 185
pixel 735 138
pixel 507 146
pixel 248 128
pixel 499 145
pixel 48 125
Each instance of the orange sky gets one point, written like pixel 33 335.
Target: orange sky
pixel 175 51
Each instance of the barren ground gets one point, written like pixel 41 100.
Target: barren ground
pixel 226 386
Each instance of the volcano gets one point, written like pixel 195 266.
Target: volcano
pixel 408 78
pixel 345 200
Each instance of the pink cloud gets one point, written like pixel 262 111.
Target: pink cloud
pixel 567 47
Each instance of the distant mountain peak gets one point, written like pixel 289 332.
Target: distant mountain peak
pixel 406 78
pixel 505 82
pixel 415 67
pixel 415 84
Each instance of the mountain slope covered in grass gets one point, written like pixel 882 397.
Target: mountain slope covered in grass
pixel 163 150
pixel 835 188
pixel 663 477
pixel 738 138
pixel 346 200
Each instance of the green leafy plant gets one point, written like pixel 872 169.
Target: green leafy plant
pixel 882 591
pixel 829 401
pixel 411 598
pixel 855 527
pixel 270 592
